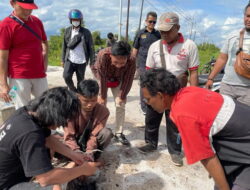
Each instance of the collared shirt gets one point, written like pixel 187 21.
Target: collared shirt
pixel 105 72
pixel 143 40
pixel 179 58
pixel 230 48
pixel 77 55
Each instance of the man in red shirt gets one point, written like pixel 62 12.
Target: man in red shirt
pixel 214 128
pixel 23 53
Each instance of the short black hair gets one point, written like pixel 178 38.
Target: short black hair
pixel 88 88
pixel 120 48
pixel 248 5
pixel 110 35
pixel 152 13
pixel 54 107
pixel 160 80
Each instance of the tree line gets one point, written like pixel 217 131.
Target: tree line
pixel 207 51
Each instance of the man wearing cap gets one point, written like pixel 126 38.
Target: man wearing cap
pixel 23 53
pixel 142 42
pixel 177 55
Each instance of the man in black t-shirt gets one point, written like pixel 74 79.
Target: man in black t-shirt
pixel 144 38
pixel 25 139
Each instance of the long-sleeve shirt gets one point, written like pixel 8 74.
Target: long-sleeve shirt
pixel 76 127
pixel 105 72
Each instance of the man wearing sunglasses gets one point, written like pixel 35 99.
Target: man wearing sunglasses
pixel 177 55
pixel 142 42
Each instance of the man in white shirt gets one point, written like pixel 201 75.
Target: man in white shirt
pixel 77 49
pixel 177 55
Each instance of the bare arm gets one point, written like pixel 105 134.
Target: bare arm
pixel 63 175
pixel 193 77
pixel 135 52
pixel 219 65
pixel 4 87
pixel 57 146
pixel 45 53
pixel 214 167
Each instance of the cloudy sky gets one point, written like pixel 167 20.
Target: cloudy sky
pixel 204 21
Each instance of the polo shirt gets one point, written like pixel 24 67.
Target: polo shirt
pixel 25 49
pixel 181 57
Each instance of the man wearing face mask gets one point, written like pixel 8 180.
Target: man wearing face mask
pixel 77 50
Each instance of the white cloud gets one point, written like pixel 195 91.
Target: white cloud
pixel 207 23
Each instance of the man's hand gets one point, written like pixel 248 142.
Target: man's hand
pixel 89 156
pixel 62 64
pixel 90 168
pixel 4 93
pixel 119 101
pixel 209 84
pixel 101 100
pixel 77 157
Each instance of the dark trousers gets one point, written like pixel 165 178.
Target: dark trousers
pixel 142 102
pixel 69 69
pixel 153 121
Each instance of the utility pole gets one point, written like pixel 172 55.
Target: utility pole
pixel 120 22
pixel 126 38
pixel 139 27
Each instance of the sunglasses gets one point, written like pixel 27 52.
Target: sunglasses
pixel 152 21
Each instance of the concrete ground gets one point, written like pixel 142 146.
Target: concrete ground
pixel 126 168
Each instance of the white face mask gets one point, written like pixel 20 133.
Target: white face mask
pixel 75 23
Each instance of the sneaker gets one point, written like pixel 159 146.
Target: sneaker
pixel 122 139
pixel 176 159
pixel 147 148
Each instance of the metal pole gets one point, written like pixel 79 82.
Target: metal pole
pixel 126 38
pixel 120 22
pixel 139 27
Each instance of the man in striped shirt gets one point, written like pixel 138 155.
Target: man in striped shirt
pixel 115 69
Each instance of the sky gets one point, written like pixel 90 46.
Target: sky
pixel 209 21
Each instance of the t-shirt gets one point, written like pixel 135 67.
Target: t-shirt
pixel 194 110
pixel 181 57
pixel 22 149
pixel 25 49
pixel 230 48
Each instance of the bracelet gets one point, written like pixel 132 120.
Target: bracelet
pixel 210 79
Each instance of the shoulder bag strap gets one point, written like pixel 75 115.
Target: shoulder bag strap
pixel 26 26
pixel 163 61
pixel 241 41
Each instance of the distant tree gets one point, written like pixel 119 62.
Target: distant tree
pixel 96 35
pixel 55 48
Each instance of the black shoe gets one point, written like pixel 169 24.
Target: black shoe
pixel 122 139
pixel 176 159
pixel 147 148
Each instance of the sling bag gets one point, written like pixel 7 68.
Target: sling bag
pixel 83 139
pixel 25 26
pixel 183 78
pixel 242 64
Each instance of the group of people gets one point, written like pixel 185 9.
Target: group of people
pixel 212 128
